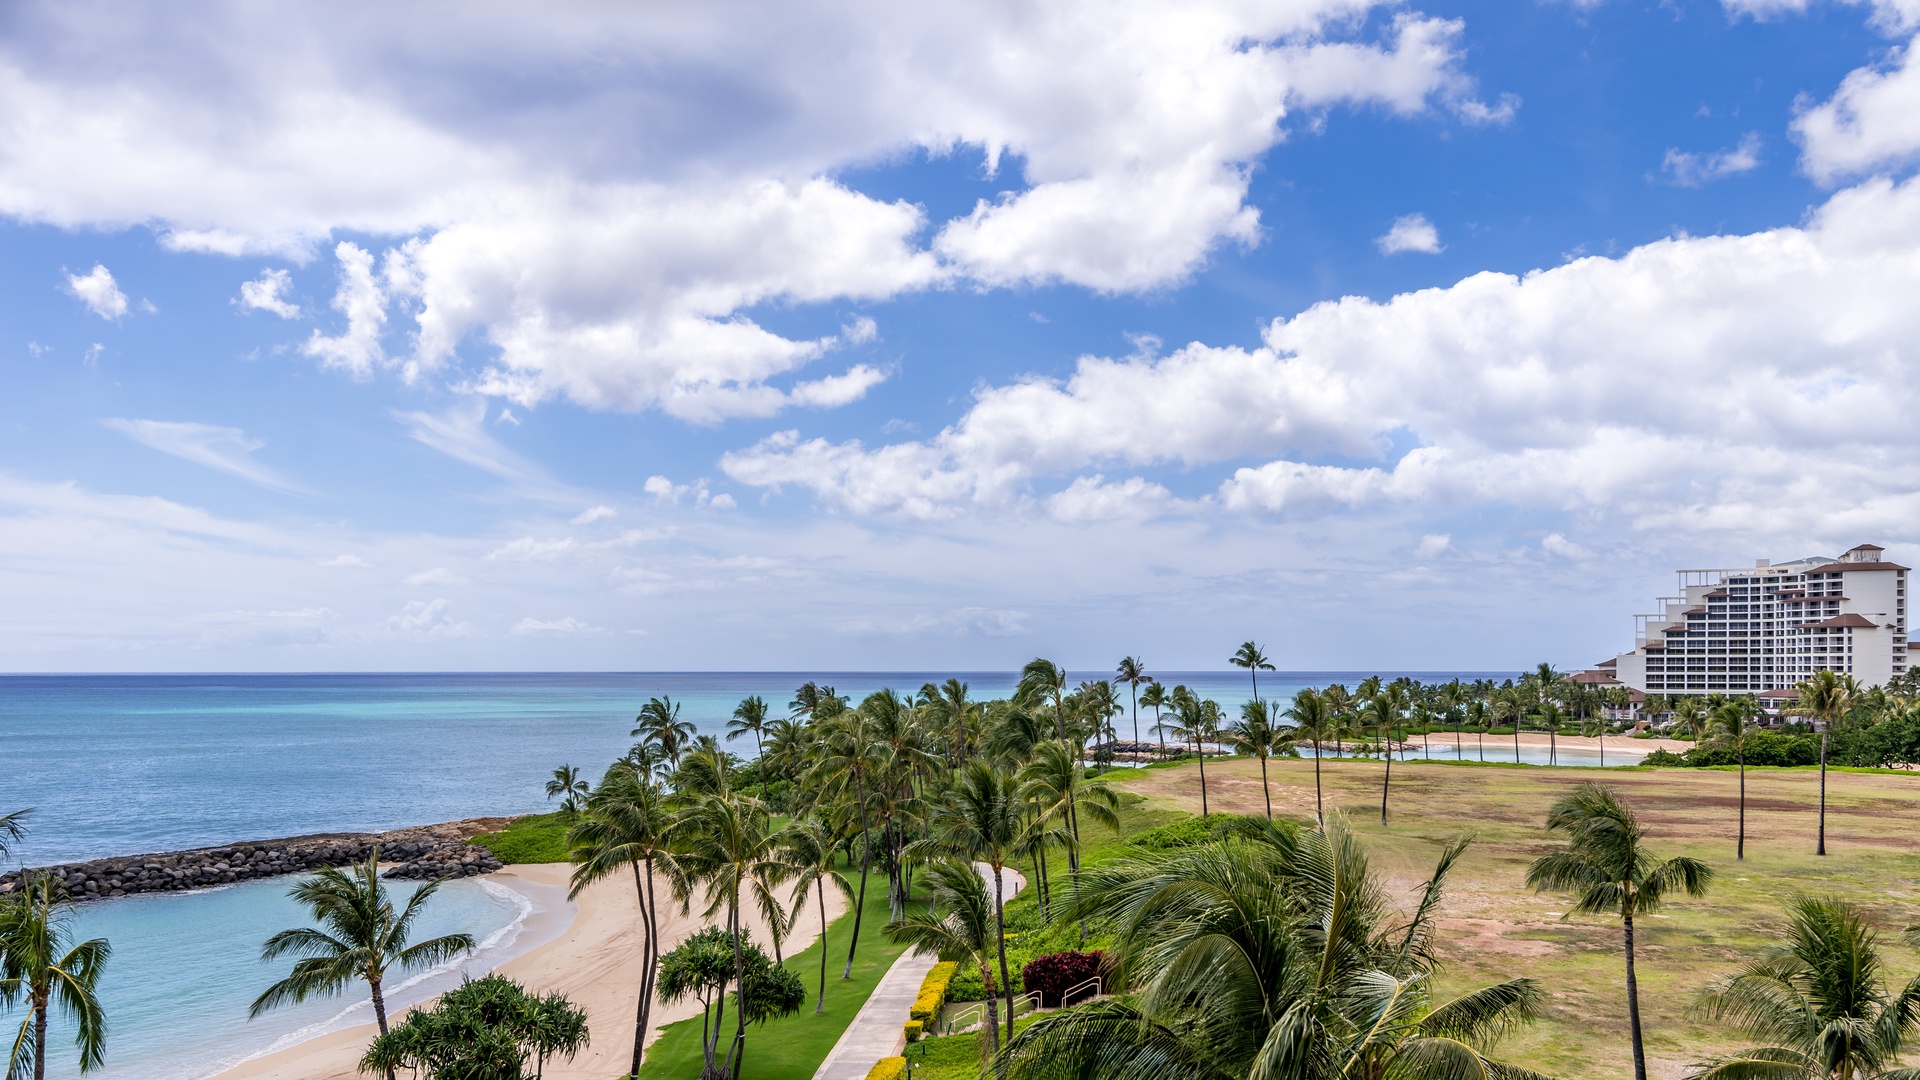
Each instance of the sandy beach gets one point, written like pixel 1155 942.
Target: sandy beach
pixel 590 958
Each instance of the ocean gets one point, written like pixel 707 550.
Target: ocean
pixel 128 764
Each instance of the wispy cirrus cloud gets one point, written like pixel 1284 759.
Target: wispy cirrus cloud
pixel 227 449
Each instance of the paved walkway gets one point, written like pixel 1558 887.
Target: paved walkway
pixel 878 1029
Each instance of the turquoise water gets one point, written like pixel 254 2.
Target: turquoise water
pixel 127 764
pixel 185 967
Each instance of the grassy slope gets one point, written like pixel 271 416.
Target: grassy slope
pixel 792 1048
pixel 536 838
pixel 1499 929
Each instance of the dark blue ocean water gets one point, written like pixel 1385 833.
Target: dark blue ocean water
pixel 125 764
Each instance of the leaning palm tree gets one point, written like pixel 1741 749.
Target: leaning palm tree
pixel 808 851
pixel 1730 726
pixel 37 967
pixel 1312 722
pixel 629 826
pixel 1250 657
pixel 1817 998
pixel 1153 697
pixel 1271 955
pixel 1825 697
pixel 968 932
pixel 359 937
pixel 1608 872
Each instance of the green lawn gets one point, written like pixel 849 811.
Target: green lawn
pixel 792 1048
pixel 951 1057
pixel 536 838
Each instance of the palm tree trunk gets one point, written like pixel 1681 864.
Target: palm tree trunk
pixel 1201 751
pixel 1823 793
pixel 640 1011
pixel 1516 740
pixel 1740 850
pixel 738 1050
pixel 1264 790
pixel 821 1005
pixel 1000 938
pixel 1387 780
pixel 1319 811
pixel 1633 1005
pixel 990 1045
pixel 379 1018
pixel 1160 731
pixel 866 854
pixel 40 1042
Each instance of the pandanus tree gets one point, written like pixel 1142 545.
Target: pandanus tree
pixel 1608 870
pixel 358 936
pixel 1730 724
pixel 1825 697
pixel 966 930
pixel 1268 955
pixel 1818 1002
pixel 487 1029
pixel 628 827
pixel 40 970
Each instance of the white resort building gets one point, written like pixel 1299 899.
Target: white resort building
pixel 1765 627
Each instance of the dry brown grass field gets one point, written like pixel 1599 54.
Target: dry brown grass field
pixel 1497 928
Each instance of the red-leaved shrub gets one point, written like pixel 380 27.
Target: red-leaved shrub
pixel 1056 973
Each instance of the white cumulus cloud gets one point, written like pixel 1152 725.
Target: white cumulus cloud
pixel 1411 232
pixel 97 289
pixel 1689 169
pixel 268 293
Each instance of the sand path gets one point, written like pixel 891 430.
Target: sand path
pixel 593 961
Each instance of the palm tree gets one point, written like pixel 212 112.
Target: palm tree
pixel 1383 712
pixel 1609 872
pixel 750 717
pixel 628 825
pixel 1250 657
pixel 1818 999
pixel 846 755
pixel 968 933
pixel 1055 785
pixel 1276 956
pixel 1825 697
pixel 808 851
pixel 1256 734
pixel 358 937
pixel 1729 723
pixel 1154 697
pixel 659 723
pixel 1198 721
pixel 37 966
pixel 983 820
pixel 1552 717
pixel 12 827
pixel 1480 715
pixel 1311 723
pixel 732 852
pixel 567 786
pixel 1042 681
pixel 1132 672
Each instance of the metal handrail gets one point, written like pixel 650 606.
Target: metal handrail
pixel 973 1015
pixel 1076 988
pixel 1032 996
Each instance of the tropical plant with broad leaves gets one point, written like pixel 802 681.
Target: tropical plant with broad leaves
pixel 358 935
pixel 40 970
pixel 962 925
pixel 1609 872
pixel 1273 954
pixel 486 1029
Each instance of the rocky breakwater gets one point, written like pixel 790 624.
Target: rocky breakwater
pixel 425 852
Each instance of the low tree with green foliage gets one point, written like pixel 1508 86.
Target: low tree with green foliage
pixel 488 1029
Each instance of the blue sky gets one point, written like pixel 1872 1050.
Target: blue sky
pixel 1400 336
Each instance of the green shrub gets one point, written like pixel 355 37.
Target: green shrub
pixel 536 838
pixel 890 1068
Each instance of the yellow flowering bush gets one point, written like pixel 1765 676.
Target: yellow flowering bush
pixel 933 992
pixel 914 1028
pixel 892 1068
